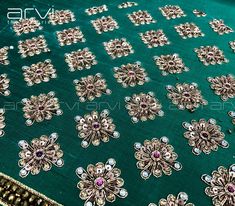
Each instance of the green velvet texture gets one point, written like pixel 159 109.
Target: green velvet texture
pixel 60 183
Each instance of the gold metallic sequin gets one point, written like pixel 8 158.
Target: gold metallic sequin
pixel 221 186
pixel 70 36
pixel 156 157
pixel 34 46
pixel 143 107
pixel 90 87
pixel 40 154
pixel 25 26
pixel 186 96
pixel 39 72
pixel 154 38
pixel 80 59
pixel 95 127
pixel 40 108
pixel 204 136
pixel 100 183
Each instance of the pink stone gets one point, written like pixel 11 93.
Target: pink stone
pixel 231 188
pixel 156 154
pixel 99 181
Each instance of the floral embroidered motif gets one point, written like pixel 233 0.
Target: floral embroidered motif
pixel 4 55
pixel 127 4
pixel 40 108
pixel 186 96
pixel 170 64
pixel 41 154
pixel 100 183
pixel 211 55
pixel 172 12
pixel 154 38
pixel 141 18
pixel 70 36
pixel 34 46
pixel 80 59
pixel 95 127
pixel 104 24
pixel 61 17
pixel 131 75
pixel 172 200
pixel 40 72
pixel 90 87
pixel 223 86
pixel 232 45
pixel 221 186
pixel 117 48
pixel 156 157
pixel 4 85
pixel 204 136
pixel 219 27
pixel 189 30
pixel 95 10
pixel 25 26
pixel 2 122
pixel 232 114
pixel 143 107
pixel 199 13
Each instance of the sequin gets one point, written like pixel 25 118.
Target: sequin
pixel 131 75
pixel 61 17
pixel 96 127
pixel 104 24
pixel 211 55
pixel 70 36
pixel 39 72
pixel 204 136
pixel 154 38
pixel 25 26
pixel 117 48
pixel 156 157
pixel 140 18
pixel 2 122
pixel 186 96
pixel 4 55
pixel 34 46
pixel 189 30
pixel 96 9
pixel 224 86
pixel 143 107
pixel 40 154
pixel 232 45
pixel 170 64
pixel 80 59
pixel 100 183
pixel 221 186
pixel 91 87
pixel 219 27
pixel 172 12
pixel 199 13
pixel 127 4
pixel 4 85
pixel 40 108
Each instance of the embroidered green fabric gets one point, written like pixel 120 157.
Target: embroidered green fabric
pixel 60 183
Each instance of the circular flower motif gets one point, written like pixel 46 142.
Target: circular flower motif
pixel 131 75
pixel 40 154
pixel 40 108
pixel 186 96
pixel 4 85
pixel 40 72
pixel 100 183
pixel 172 12
pixel 141 18
pixel 104 24
pixel 180 200
pixel 204 136
pixel 189 30
pixel 95 127
pixel 223 86
pixel 220 27
pixel 87 88
pixel 156 157
pixel 170 64
pixel 221 186
pixel 143 106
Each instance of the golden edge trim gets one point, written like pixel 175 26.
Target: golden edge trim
pixel 29 189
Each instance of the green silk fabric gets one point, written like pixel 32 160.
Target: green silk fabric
pixel 60 183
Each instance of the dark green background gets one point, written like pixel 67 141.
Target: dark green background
pixel 60 183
